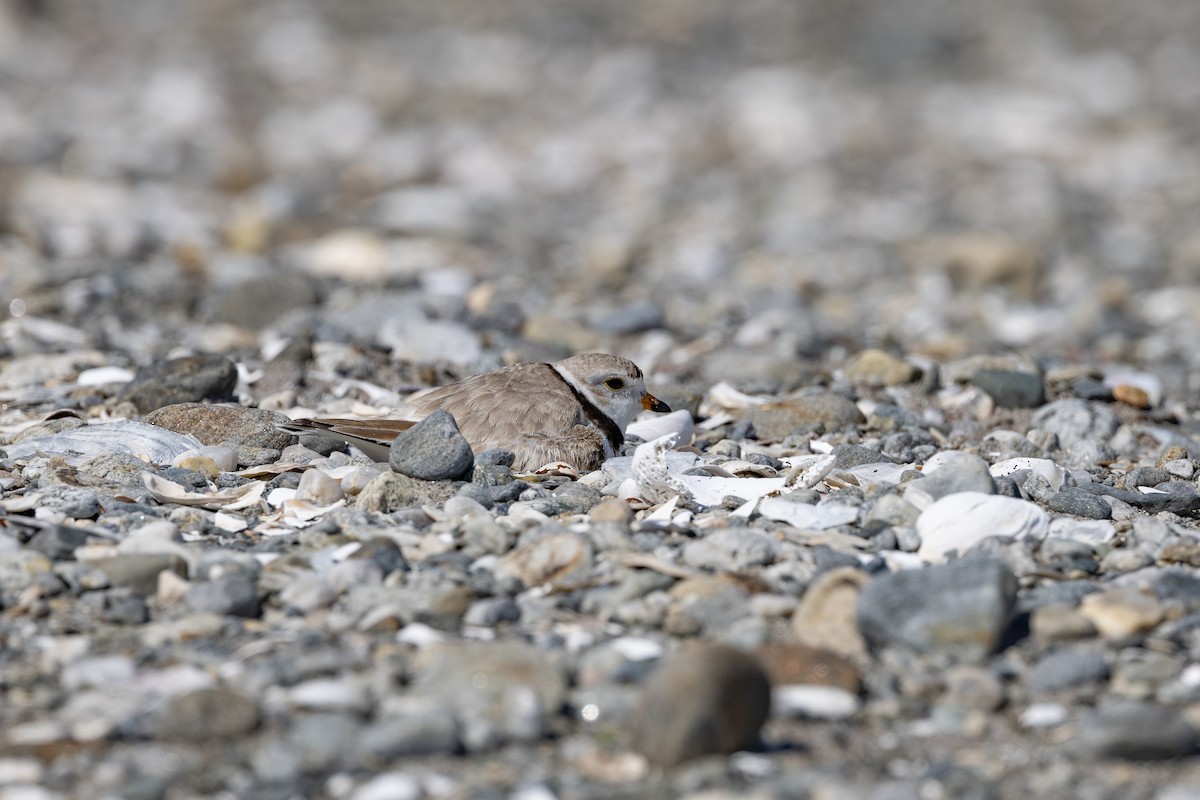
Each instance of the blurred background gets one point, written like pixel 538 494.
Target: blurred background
pixel 745 191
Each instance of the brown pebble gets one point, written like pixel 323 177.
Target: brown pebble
pixel 808 666
pixel 611 510
pixel 825 618
pixel 1180 553
pixel 702 700
pixel 1131 396
pixel 1173 453
pixel 202 464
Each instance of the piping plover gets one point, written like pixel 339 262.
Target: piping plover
pixel 574 411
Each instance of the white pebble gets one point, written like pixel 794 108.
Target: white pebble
pixel 814 702
pixel 20 770
pixel 637 648
pixel 389 786
pixel 98 376
pixel 1043 715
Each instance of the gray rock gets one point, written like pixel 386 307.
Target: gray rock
pixel 1073 420
pixel 500 691
pixel 432 450
pixel 232 594
pixel 1010 388
pixel 731 550
pixel 392 491
pixel 1137 732
pixel 1068 669
pixel 257 301
pixel 635 318
pixel 383 553
pixel 965 605
pixel 115 472
pixel 492 611
pixel 704 605
pixel 415 734
pixel 118 606
pixel 58 542
pixel 966 473
pixel 1145 476
pixel 1087 453
pixel 325 741
pixel 891 510
pixel 73 501
pixel 139 571
pixel 703 700
pixel 1073 500
pixel 854 455
pixel 1087 388
pixel 1184 503
pixel 204 715
pixel 307 592
pixel 188 379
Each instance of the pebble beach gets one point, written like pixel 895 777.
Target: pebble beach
pixel 918 280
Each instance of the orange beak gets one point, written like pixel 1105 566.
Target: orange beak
pixel 652 403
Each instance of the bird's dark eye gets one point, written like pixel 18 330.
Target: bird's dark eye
pixel 616 384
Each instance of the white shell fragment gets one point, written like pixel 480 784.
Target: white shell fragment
pixel 230 499
pixel 650 473
pixel 679 423
pixel 962 520
pixel 1053 473
pixel 150 443
pixel 807 517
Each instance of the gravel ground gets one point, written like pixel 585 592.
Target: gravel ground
pixel 919 279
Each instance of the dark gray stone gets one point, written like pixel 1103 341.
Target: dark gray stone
pixel 58 542
pixel 636 318
pixel 1137 732
pixel 233 594
pixel 124 607
pixel 1184 504
pixel 1010 388
pixel 1146 476
pixel 1073 500
pixel 432 450
pixel 384 553
pixel 492 611
pixel 965 605
pixel 73 501
pixel 188 379
pixel 1068 669
pixel 854 455
pixel 1092 389
pixel 496 457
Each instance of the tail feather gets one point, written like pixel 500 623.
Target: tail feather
pixel 372 436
